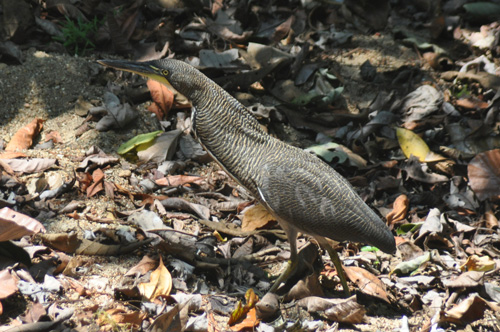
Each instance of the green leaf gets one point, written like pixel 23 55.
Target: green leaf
pixel 138 140
pixel 323 151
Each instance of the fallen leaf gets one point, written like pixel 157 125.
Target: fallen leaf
pixel 160 283
pixel 250 321
pixel 467 279
pixel 367 282
pixel 9 284
pixel 34 165
pixel 484 174
pixel 412 144
pixel 256 217
pixel 23 138
pixel 339 310
pixel 53 135
pixel 162 97
pixel 179 180
pixel 399 210
pixel 404 268
pixel 468 310
pixel 138 140
pixel 476 263
pixel 244 311
pixel 14 225
pixel 144 266
pixel 98 183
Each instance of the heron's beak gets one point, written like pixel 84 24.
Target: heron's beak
pixel 141 68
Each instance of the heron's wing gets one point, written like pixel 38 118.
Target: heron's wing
pixel 311 196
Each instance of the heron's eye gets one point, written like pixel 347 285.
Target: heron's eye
pixel 164 72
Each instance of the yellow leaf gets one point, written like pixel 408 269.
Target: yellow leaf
pixel 160 283
pixel 476 263
pixel 412 144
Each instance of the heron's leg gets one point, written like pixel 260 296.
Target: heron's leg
pixel 336 262
pixel 293 262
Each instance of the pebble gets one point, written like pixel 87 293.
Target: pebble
pixel 126 173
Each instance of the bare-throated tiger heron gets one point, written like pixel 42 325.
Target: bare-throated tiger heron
pixel 302 192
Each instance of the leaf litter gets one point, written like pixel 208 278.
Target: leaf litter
pixel 419 143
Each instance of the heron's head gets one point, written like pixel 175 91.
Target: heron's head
pixel 174 73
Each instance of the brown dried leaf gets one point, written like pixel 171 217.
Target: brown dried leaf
pixel 399 210
pixel 471 103
pixel 184 205
pixel 144 266
pixel 179 180
pixel 256 217
pixel 9 284
pixel 250 322
pixel 30 166
pixel 70 243
pixel 367 282
pixel 490 219
pixel 97 186
pixel 484 174
pixel 12 155
pixel 468 310
pixel 120 317
pixel 340 310
pixel 14 225
pixel 248 311
pixel 62 241
pixel 160 283
pixel 467 279
pixel 476 263
pixel 162 96
pixel 283 29
pixel 23 139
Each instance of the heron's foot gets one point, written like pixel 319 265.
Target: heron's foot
pixel 338 266
pixel 299 266
pixel 289 271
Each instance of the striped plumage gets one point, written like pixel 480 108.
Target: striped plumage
pixel 301 191
pixel 298 187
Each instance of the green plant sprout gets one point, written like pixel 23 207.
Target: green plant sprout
pixel 76 36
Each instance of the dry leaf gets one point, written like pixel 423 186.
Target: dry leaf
pixel 490 219
pixel 476 263
pixel 412 144
pixel 8 282
pixel 467 279
pixel 160 283
pixel 23 139
pixel 367 282
pixel 241 310
pixel 144 266
pixel 340 310
pixel 399 210
pixel 97 186
pixel 15 225
pixel 179 180
pixel 250 322
pixel 162 96
pixel 468 310
pixel 256 217
pixel 484 174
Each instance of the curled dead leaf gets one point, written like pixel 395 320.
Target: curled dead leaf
pixel 484 174
pixel 160 283
pixel 256 217
pixel 399 210
pixel 367 282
